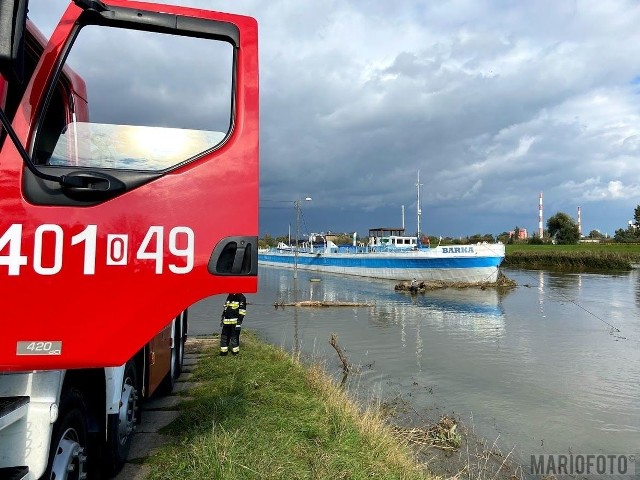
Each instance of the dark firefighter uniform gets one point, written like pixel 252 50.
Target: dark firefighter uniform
pixel 235 308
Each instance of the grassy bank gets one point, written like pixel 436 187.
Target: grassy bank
pixel 262 415
pixel 574 257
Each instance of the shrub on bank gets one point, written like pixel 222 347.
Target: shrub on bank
pixel 571 260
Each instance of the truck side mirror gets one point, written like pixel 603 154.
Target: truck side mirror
pixel 13 17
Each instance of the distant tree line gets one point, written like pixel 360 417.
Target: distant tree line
pixel 562 229
pixel 632 233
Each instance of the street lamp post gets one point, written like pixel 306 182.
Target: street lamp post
pixel 295 254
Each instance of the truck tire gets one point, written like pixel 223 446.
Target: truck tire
pixel 121 426
pixel 68 457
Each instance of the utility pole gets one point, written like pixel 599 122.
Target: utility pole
pixel 295 254
pixel 419 185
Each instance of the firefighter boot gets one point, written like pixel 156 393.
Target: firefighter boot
pixel 226 335
pixel 235 340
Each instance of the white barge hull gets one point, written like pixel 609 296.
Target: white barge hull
pixel 466 264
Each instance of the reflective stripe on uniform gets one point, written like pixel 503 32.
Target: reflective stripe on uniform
pixel 235 349
pixel 230 321
pixel 242 311
pixel 224 349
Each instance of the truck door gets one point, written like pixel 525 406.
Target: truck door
pixel 141 123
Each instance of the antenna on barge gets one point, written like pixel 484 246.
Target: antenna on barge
pixel 419 185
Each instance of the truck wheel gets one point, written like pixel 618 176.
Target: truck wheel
pixel 68 451
pixel 120 427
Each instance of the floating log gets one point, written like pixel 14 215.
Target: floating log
pixel 314 303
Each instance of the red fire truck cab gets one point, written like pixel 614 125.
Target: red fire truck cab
pixel 128 191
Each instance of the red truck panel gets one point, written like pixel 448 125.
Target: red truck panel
pixel 59 313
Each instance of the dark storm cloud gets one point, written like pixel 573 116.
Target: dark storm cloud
pixel 493 102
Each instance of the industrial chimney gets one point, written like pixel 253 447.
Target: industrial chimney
pixel 579 224
pixel 540 228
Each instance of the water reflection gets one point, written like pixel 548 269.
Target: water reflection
pixel 562 282
pixel 541 293
pixel 476 313
pixel 483 302
pixel 479 319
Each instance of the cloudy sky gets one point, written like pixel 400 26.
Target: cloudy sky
pixel 493 102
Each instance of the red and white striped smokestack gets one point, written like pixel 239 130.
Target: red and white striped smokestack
pixel 540 229
pixel 579 223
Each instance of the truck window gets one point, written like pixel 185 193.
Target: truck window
pixel 122 101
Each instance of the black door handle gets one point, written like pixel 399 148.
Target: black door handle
pixel 90 183
pixel 236 255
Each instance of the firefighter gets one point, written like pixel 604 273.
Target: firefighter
pixel 235 308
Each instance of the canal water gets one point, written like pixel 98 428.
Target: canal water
pixel 551 366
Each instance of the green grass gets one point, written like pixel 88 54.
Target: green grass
pixel 624 248
pixel 263 415
pixel 584 256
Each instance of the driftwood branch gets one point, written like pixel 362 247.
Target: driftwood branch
pixel 333 341
pixel 326 303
